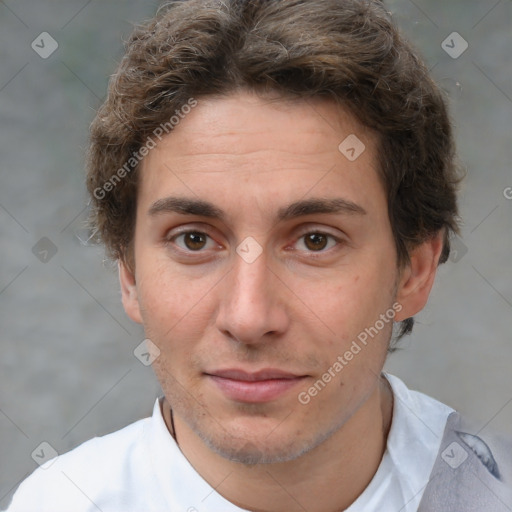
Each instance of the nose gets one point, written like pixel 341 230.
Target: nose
pixel 252 308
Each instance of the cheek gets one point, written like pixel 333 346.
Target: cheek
pixel 175 308
pixel 357 298
pixel 162 297
pixel 352 304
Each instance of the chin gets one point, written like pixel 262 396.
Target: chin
pixel 262 450
pixel 250 453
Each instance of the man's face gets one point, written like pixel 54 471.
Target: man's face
pixel 243 335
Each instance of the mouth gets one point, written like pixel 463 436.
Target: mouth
pixel 254 387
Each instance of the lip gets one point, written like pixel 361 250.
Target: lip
pixel 254 387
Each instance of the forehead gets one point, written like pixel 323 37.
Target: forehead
pixel 263 149
pixel 225 119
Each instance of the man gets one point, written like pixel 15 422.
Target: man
pixel 277 182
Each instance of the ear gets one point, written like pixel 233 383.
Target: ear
pixel 417 278
pixel 129 292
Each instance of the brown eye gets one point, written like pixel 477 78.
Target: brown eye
pixel 316 241
pixel 195 241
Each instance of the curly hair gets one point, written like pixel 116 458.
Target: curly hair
pixel 347 50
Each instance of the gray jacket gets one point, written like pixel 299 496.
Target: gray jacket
pixel 470 474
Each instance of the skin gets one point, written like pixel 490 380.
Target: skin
pixel 297 307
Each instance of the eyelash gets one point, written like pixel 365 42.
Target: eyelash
pixel 312 253
pixel 329 236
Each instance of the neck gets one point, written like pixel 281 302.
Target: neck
pixel 326 479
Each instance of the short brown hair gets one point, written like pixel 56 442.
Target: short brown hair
pixel 346 50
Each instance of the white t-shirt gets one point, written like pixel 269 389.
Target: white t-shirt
pixel 141 469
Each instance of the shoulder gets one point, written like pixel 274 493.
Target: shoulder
pixel 446 460
pixel 417 413
pixel 472 472
pixel 414 438
pixel 76 480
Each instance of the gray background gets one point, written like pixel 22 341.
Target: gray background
pixel 67 368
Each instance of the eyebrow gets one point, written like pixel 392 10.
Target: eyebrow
pixel 301 208
pixel 186 206
pixel 315 206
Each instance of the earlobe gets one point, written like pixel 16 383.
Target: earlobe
pixel 129 292
pixel 417 278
